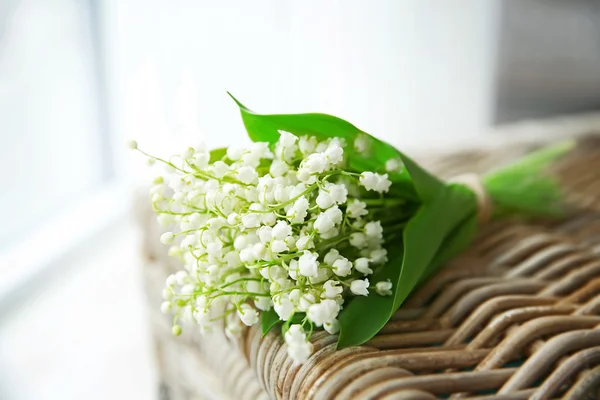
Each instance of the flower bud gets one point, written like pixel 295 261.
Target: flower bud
pixel 176 330
pixel 165 307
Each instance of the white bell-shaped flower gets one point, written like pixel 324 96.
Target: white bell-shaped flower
pixel 308 264
pixel 283 306
pixel 362 265
pixel 331 290
pixel 360 287
pixel 248 315
pixel 342 267
pixel 384 288
pixel 281 230
pixel 325 311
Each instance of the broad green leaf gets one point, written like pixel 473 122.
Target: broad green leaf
pixel 266 127
pixel 422 240
pixel 217 154
pixel 427 186
pixel 425 233
pixel 455 244
pixel 363 317
pixel 268 320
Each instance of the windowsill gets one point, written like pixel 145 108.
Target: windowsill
pixel 84 333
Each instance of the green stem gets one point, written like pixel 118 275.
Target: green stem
pixel 522 188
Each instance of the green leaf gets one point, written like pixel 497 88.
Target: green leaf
pixel 425 233
pixel 455 244
pixel 363 317
pixel 423 238
pixel 266 127
pixel 217 154
pixel 426 185
pixel 268 320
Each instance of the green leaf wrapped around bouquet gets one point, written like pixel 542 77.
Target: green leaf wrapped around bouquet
pixel 318 225
pixel 444 224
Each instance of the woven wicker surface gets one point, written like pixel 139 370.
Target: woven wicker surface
pixel 515 317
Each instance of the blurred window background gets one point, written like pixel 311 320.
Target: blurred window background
pixel 80 77
pixel 55 147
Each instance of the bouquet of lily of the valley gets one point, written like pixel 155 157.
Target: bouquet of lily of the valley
pixel 318 225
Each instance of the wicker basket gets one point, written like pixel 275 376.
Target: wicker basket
pixel 515 317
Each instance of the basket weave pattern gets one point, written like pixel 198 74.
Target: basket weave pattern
pixel 515 317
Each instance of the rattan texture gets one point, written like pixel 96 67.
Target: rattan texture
pixel 514 317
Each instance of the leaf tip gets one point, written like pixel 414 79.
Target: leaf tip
pixel 240 105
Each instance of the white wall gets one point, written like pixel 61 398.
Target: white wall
pixel 416 73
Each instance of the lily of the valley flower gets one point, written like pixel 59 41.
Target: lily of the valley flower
pixel 263 229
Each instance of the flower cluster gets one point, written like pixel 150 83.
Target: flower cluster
pixel 286 228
